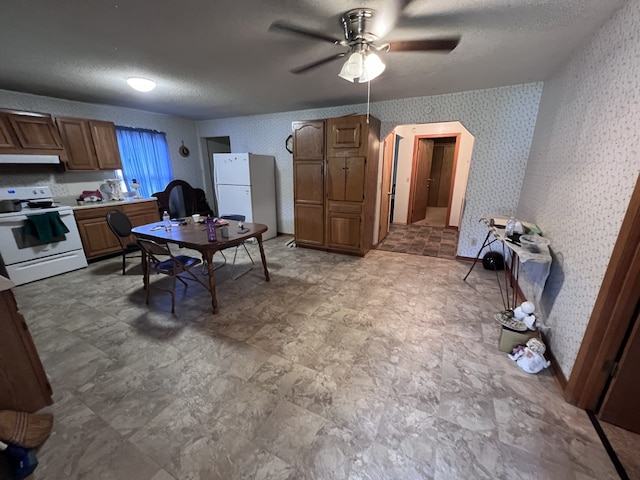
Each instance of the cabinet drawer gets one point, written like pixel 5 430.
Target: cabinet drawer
pixel 141 207
pixel 352 208
pixel 95 212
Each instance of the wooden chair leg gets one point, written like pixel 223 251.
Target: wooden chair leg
pixel 124 259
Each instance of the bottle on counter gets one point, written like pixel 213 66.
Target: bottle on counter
pixel 166 220
pixel 509 228
pixel 211 229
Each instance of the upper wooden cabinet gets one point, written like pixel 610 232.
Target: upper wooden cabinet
pixel 106 143
pixel 25 132
pixel 91 144
pixel 6 139
pixel 335 172
pixel 308 140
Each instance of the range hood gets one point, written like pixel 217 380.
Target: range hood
pixel 29 159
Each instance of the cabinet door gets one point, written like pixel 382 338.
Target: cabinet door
pixel 354 179
pixel 308 184
pixel 345 178
pixel 35 131
pixel 309 225
pixel 97 238
pixel 106 145
pixel 344 231
pixel 6 140
pixel 141 213
pixel 347 136
pixel 345 132
pixel 76 136
pixel 308 140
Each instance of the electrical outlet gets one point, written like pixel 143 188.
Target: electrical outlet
pixel 474 241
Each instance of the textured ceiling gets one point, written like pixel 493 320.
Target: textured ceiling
pixel 215 59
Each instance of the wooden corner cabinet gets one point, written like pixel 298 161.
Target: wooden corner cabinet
pixel 335 164
pixel 29 132
pixel 97 239
pixel 23 383
pixel 90 144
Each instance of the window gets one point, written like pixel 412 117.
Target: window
pixel 145 157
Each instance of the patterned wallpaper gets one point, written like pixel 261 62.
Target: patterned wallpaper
pixel 583 166
pixel 501 119
pixel 72 183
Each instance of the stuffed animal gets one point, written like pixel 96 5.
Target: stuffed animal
pixel 524 313
pixel 531 357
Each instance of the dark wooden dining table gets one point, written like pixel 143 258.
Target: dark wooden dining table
pixel 194 235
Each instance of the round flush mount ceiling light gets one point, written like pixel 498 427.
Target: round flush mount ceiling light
pixel 141 84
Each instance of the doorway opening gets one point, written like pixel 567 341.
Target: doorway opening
pixel 431 183
pixel 423 181
pixel 210 146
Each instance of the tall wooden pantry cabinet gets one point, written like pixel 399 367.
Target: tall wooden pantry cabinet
pixel 335 169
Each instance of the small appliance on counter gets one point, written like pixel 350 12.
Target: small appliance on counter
pixel 41 239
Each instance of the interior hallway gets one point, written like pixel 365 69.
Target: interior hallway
pixel 426 237
pixel 339 368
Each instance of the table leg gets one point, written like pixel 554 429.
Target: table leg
pixel 486 243
pixel 264 260
pixel 208 257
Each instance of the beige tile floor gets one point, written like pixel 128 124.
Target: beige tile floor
pixel 382 367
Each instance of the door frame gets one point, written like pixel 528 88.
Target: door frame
pixel 388 147
pixel 611 315
pixel 414 164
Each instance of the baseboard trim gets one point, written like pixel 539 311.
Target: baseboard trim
pixel 556 371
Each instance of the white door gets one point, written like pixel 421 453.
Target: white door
pixel 231 169
pixel 234 200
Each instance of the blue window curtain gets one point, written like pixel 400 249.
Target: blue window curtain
pixel 145 157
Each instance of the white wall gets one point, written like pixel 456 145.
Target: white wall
pixel 583 166
pixel 405 166
pixel 501 120
pixel 73 183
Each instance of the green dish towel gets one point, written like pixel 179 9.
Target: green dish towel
pixel 45 227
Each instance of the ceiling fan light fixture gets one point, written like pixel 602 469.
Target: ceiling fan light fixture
pixel 141 84
pixel 353 67
pixel 373 67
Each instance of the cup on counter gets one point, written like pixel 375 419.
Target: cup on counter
pixel 195 217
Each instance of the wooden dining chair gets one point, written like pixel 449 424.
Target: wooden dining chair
pixel 172 265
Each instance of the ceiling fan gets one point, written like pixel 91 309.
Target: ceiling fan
pixel 363 29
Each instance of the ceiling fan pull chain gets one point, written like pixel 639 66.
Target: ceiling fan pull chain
pixel 368 98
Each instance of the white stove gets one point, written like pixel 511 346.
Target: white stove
pixel 30 252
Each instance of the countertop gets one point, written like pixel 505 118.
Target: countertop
pixel 109 203
pixel 5 284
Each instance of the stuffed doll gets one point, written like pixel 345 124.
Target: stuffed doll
pixel 531 357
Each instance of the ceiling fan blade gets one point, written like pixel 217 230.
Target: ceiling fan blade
pixel 433 45
pixel 317 63
pixel 284 27
pixel 387 16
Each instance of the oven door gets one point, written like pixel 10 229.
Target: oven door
pixel 16 247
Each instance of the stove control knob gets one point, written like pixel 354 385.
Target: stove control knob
pixel 42 191
pixel 35 191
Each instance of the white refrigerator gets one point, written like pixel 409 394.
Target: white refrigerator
pixel 245 184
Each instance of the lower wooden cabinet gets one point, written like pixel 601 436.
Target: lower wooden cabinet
pixel 97 238
pixel 23 383
pixel 344 226
pixel 309 224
